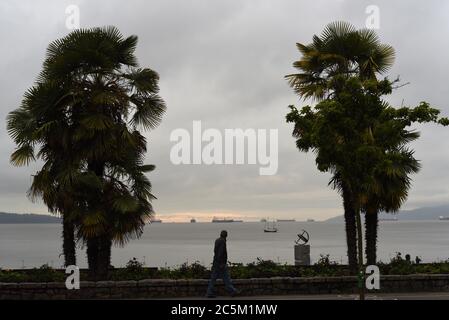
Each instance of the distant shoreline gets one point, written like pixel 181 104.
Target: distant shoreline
pixel 420 214
pixel 27 218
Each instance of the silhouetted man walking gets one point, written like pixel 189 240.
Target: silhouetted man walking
pixel 220 268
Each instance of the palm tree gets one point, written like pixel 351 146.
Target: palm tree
pixel 84 113
pixel 341 51
pixel 391 182
pixel 35 123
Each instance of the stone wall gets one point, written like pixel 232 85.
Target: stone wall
pixel 162 288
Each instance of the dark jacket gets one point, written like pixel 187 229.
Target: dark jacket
pixel 220 253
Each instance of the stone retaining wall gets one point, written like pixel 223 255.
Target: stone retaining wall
pixel 162 288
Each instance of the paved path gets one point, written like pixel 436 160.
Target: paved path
pixel 380 296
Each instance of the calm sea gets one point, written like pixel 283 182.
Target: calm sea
pixel 171 244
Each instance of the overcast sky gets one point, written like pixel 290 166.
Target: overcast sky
pixel 223 62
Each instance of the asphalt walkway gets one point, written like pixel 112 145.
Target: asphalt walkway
pixel 370 296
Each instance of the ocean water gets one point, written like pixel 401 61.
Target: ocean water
pixel 171 244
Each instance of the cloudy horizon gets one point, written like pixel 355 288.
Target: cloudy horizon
pixel 224 64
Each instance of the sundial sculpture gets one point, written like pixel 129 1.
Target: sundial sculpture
pixel 303 237
pixel 302 249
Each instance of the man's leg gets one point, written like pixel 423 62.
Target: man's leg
pixel 227 281
pixel 213 278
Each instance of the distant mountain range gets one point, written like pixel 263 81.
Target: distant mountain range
pixel 425 213
pixel 10 218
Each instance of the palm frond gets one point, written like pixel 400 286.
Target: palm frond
pixel 23 155
pixel 149 112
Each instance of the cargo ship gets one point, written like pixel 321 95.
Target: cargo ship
pixel 285 220
pixel 443 218
pixel 388 219
pixel 222 220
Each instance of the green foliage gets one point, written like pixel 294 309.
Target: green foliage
pixel 399 265
pixel 194 269
pixel 134 265
pixel 186 271
pixel 340 51
pixel 324 265
pixel 42 274
pixel 135 270
pixel 259 269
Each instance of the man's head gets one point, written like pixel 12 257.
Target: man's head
pixel 223 234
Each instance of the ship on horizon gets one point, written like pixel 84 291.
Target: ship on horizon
pixel 270 227
pixel 224 220
pixel 285 220
pixel 389 219
pixel 443 218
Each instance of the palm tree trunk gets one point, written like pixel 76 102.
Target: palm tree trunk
pixel 99 257
pixel 351 232
pixel 97 247
pixel 371 226
pixel 92 257
pixel 104 257
pixel 68 243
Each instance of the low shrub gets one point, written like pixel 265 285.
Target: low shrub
pixel 185 271
pixel 135 270
pixel 45 273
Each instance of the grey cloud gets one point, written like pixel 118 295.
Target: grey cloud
pixel 223 62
